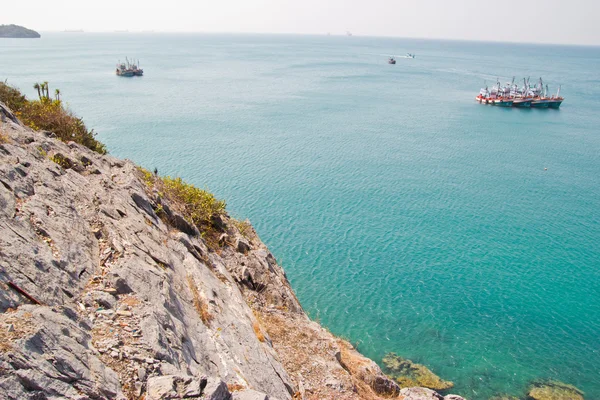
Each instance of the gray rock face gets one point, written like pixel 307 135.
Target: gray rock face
pixel 417 393
pixel 88 241
pixel 50 354
pixel 250 394
pixel 100 298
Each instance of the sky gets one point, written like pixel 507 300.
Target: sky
pixel 533 21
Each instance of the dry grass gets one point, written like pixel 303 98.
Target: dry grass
pixel 235 387
pixel 4 137
pixel 200 302
pixel 258 331
pixel 308 355
pixel 21 327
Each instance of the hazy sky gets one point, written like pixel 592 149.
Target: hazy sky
pixel 548 21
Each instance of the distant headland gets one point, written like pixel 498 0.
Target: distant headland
pixel 16 31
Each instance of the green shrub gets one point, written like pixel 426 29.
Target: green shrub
pixel 50 114
pixel 63 161
pixel 12 97
pixel 197 205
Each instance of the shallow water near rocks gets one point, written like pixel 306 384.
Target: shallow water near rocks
pixel 408 217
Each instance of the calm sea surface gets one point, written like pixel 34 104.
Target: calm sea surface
pixel 408 217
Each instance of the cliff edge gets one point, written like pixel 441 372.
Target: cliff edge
pixel 108 292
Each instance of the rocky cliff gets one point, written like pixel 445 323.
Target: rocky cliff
pixel 106 292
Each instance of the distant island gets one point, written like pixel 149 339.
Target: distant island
pixel 16 31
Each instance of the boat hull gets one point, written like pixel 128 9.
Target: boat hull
pixel 124 73
pixel 540 104
pixel 522 103
pixel 554 103
pixel 503 103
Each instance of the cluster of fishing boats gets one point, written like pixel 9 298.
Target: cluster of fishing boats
pixel 510 95
pixel 128 68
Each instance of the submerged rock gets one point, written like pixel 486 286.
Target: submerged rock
pixel 409 374
pixel 553 390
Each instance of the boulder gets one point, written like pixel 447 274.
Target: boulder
pixel 553 390
pixel 249 394
pixel 409 374
pixel 174 387
pixel 419 393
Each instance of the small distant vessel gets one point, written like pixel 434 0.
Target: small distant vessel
pixel 391 60
pixel 409 55
pixel 348 33
pixel 129 68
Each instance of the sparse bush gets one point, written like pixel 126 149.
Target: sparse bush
pixel 200 302
pixel 12 97
pixel 51 115
pixel 197 205
pixel 63 161
pixel 244 227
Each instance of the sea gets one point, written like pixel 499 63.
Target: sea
pixel 408 217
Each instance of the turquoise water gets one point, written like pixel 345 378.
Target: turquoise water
pixel 408 217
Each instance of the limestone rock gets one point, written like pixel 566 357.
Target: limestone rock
pixel 409 374
pixel 176 387
pixel 49 354
pixel 419 393
pixel 554 390
pixel 249 394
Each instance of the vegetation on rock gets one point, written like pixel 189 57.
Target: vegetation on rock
pixel 16 31
pixel 49 114
pixel 198 207
pixel 553 390
pixel 409 374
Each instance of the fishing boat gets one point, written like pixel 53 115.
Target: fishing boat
pixel 129 68
pixel 540 100
pixel 555 101
pixel 501 95
pixel 522 102
pixel 520 98
pixel 391 60
pixel 484 96
pixel 123 70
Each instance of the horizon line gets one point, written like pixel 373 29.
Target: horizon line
pixel 325 34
